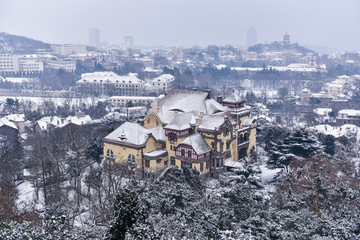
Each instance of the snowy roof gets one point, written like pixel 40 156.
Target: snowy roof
pixel 20 79
pixel 55 121
pixel 42 124
pixel 212 106
pixel 164 78
pixel 5 122
pixel 16 117
pixel 77 120
pixel 109 77
pixel 220 66
pixel 338 131
pixel 158 133
pixel 197 143
pixel 248 121
pixel 155 153
pixel 322 111
pixel 133 98
pixel 211 122
pixel 234 164
pixel 182 121
pixel 129 133
pixel 233 98
pixel 349 112
pixel 149 69
pixel 182 101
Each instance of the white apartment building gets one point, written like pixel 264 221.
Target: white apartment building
pixel 20 64
pixel 68 49
pixel 122 101
pixel 66 64
pixel 163 83
pixel 109 83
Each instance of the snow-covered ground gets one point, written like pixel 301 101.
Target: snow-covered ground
pixel 268 175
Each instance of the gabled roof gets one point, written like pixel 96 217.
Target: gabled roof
pixel 134 134
pixel 213 122
pixel 233 98
pixel 213 107
pixel 197 142
pixel 129 133
pixel 5 122
pixel 158 133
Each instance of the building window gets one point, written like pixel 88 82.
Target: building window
pixel 183 153
pixel 170 147
pixel 147 163
pixel 207 165
pixel 217 163
pixel 165 162
pixel 189 154
pixel 212 163
pixel 172 161
pixel 110 155
pixel 172 137
pixel 158 160
pixel 131 160
pixel 201 167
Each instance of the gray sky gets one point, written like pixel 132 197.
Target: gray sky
pixel 329 23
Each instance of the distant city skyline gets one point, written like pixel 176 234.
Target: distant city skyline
pixel 326 23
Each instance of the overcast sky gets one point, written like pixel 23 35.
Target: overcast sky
pixel 329 23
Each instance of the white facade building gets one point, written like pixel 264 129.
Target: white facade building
pixel 67 65
pixel 67 49
pixel 109 83
pixel 20 64
pixel 163 83
pixel 122 101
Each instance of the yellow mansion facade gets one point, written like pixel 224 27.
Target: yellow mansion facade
pixel 185 128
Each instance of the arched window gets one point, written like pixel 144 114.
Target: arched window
pixel 131 160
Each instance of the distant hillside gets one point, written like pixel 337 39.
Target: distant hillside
pixel 20 45
pixel 280 47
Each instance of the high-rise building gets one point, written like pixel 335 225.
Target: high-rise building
pixel 94 37
pixel 251 37
pixel 129 42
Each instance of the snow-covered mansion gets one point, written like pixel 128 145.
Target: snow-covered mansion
pixel 185 128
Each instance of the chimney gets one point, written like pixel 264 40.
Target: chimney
pixel 219 99
pixel 197 121
pixel 194 89
pixel 208 91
